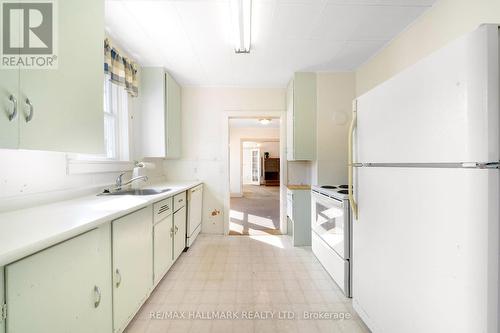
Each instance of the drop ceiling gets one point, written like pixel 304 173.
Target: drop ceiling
pixel 192 38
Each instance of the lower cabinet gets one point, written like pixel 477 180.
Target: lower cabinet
pixel 65 288
pixel 97 281
pixel 132 264
pixel 179 231
pixel 163 247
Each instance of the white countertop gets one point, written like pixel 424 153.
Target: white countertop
pixel 26 231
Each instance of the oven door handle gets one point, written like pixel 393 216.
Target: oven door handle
pixel 327 201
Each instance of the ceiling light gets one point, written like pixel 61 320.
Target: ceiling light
pixel 265 121
pixel 241 12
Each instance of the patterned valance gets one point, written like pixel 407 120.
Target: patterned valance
pixel 121 70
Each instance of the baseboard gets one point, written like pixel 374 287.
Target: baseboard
pixel 236 195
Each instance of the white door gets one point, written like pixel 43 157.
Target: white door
pixel 66 288
pixel 425 249
pixel 179 232
pixel 255 166
pixel 132 264
pixel 163 247
pixel 444 109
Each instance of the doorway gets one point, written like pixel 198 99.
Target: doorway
pixel 254 176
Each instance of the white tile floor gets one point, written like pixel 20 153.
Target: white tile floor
pixel 257 275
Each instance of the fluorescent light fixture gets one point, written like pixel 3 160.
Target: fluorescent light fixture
pixel 241 11
pixel 265 121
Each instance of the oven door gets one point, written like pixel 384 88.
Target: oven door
pixel 330 222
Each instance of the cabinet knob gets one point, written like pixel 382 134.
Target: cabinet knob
pixel 13 114
pixel 97 296
pixel 118 278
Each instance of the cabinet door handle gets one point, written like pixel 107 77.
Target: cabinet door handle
pixel 97 296
pixel 118 278
pixel 171 232
pixel 29 115
pixel 176 229
pixel 13 114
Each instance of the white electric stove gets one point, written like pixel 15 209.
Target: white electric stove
pixel 331 226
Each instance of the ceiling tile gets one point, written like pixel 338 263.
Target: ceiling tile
pixel 352 55
pixel 295 20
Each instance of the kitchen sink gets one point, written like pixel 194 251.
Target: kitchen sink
pixel 146 191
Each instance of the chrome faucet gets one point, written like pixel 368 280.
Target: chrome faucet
pixel 120 183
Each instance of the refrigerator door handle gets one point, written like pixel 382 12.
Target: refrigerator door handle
pixel 475 165
pixel 352 201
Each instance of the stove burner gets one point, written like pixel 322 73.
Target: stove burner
pixel 344 186
pixel 330 187
pixel 343 192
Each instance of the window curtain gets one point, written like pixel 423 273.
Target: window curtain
pixel 120 69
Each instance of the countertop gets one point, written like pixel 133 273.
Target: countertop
pixel 26 231
pixel 299 187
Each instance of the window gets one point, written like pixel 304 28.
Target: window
pixel 116 126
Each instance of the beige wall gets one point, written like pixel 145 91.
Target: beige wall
pixel 335 92
pixel 445 21
pixel 203 146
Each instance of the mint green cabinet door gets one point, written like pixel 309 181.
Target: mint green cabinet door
pixel 65 288
pixel 289 123
pixel 9 108
pixel 163 247
pixel 132 264
pixel 2 300
pixel 174 121
pixel 301 118
pixel 179 232
pixel 67 102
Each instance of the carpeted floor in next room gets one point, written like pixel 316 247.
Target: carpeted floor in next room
pixel 257 212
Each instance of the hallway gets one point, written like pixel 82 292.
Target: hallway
pixel 257 212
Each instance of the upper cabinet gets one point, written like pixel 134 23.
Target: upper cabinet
pixel 301 118
pixel 161 114
pixel 54 100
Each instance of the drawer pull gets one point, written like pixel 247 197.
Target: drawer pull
pixel 97 296
pixel 13 114
pixel 163 209
pixel 118 278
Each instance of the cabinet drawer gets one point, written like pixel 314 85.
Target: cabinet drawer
pixel 179 201
pixel 162 209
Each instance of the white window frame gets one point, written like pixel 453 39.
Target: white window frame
pixel 116 158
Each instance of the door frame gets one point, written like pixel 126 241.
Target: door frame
pixel 254 114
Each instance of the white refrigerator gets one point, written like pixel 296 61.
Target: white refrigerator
pixel 425 154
